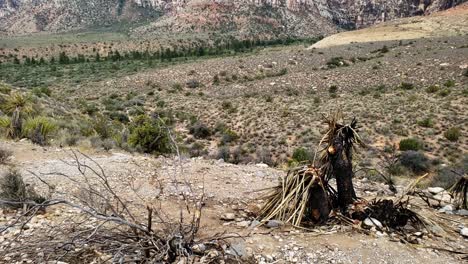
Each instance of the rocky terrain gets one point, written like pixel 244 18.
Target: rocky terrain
pixel 231 193
pixel 243 17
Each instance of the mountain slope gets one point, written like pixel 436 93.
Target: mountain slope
pixel 446 23
pixel 292 17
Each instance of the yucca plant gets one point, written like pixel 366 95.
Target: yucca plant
pixel 18 102
pixel 39 129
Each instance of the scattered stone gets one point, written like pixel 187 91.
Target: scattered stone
pixel 462 212
pixel 372 222
pixel 448 209
pixel 237 249
pixel 464 232
pixel 435 190
pixel 254 223
pixel 274 223
pixel 228 217
pixel 443 197
pixel 243 224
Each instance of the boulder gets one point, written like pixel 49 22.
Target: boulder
pixel 435 190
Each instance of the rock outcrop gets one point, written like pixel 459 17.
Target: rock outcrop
pixel 27 16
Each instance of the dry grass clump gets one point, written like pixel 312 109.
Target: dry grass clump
pixel 5 155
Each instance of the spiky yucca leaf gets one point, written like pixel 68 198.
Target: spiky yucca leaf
pixel 460 192
pixel 17 101
pixel 6 126
pixel 39 129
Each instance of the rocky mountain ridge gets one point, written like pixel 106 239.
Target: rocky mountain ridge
pixel 293 17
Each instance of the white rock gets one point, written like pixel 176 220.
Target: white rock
pixel 448 209
pixel 261 165
pixel 274 223
pixel 464 232
pixel 443 197
pixel 373 222
pixel 435 190
pixel 463 212
pixel 228 217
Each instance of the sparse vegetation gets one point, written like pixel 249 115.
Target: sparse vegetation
pixel 415 161
pixel 453 134
pixel 150 135
pixel 5 155
pixel 14 190
pixel 410 144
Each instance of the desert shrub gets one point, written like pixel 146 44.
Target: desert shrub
pixel 39 129
pixel 223 153
pixel 197 149
pixel 200 130
pixel 102 127
pixel 119 116
pixel 426 122
pixel 41 91
pixel 176 86
pixel 416 161
pixel 336 62
pixel 220 127
pixel 410 144
pixel 216 80
pixel 264 156
pixel 226 105
pixel 406 86
pixel 302 154
pixel 14 189
pixel 449 83
pixel 228 136
pixel 150 135
pixel 89 108
pixel 432 89
pixel 333 89
pixel 5 155
pixel 452 134
pixel 193 84
pixel 444 92
pixel 446 176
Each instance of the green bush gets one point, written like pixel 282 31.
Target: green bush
pixel 410 144
pixel 416 161
pixel 432 89
pixel 39 129
pixel 444 92
pixel 150 135
pixel 452 134
pixel 406 86
pixel 41 91
pixel 228 136
pixel 426 122
pixel 449 83
pixel 301 155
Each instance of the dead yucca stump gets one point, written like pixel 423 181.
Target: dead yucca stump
pixel 301 196
pixel 304 194
pixel 460 192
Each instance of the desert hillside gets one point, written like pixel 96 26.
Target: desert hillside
pixel 194 144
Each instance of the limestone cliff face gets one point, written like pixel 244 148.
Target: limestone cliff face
pixel 24 16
